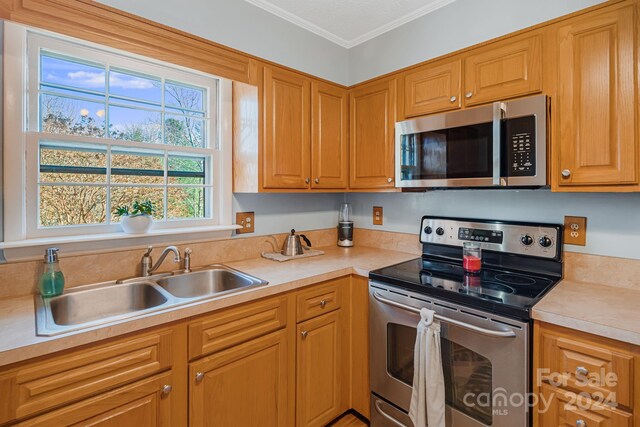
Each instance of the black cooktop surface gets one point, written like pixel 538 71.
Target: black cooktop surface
pixel 508 292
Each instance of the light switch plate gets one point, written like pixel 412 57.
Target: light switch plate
pixel 247 221
pixel 377 215
pixel 575 230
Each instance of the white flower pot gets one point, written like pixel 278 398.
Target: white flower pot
pixel 136 224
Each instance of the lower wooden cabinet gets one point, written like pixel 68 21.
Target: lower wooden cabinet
pixel 245 385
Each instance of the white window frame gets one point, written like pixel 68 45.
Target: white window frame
pixel 22 47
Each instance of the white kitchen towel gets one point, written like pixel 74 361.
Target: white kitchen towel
pixel 427 398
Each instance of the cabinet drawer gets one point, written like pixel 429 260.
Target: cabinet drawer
pixel 80 374
pixel 320 299
pixel 589 367
pixel 562 408
pixel 234 326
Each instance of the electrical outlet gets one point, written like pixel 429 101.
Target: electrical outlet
pixel 377 215
pixel 247 221
pixel 575 230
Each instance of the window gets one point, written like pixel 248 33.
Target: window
pixel 101 129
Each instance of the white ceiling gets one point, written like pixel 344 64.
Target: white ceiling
pixel 349 22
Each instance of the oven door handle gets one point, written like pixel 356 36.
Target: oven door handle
pixel 499 112
pixel 474 328
pixel 385 415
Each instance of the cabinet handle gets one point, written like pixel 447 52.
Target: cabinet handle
pixel 199 377
pixel 581 423
pixel 582 371
pixel 566 173
pixel 454 98
pixel 166 389
pixel 323 303
pixel 304 334
pixel 468 95
pixel 389 180
pixel 307 180
pixel 317 180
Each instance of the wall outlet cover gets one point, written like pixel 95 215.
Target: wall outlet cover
pixel 377 215
pixel 575 230
pixel 247 221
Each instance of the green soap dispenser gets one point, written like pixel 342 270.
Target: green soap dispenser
pixel 52 280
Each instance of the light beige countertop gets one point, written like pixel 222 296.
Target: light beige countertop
pixel 612 312
pixel 18 339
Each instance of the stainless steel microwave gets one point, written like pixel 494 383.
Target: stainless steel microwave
pixel 494 146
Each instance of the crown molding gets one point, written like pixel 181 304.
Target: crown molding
pixel 309 26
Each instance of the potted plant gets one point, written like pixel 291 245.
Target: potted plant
pixel 137 220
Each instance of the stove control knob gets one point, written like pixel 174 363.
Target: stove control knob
pixel 526 240
pixel 545 242
pixel 440 231
pixel 428 230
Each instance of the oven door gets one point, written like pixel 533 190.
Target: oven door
pixel 485 359
pixel 457 149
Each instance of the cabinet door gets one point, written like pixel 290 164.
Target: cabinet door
pixel 596 100
pixel 503 70
pixel 146 403
pixel 245 385
pixel 433 88
pixel 286 155
pixel 372 135
pixel 319 370
pixel 329 143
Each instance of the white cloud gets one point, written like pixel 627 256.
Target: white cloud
pixel 129 83
pixel 87 78
pixel 97 80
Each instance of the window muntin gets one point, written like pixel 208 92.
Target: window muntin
pixel 96 113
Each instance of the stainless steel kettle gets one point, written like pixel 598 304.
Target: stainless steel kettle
pixel 293 245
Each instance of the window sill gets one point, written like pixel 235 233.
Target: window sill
pixel 32 248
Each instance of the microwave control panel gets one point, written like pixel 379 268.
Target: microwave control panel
pixel 521 146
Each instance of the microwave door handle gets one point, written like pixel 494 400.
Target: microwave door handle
pixel 499 113
pixel 474 328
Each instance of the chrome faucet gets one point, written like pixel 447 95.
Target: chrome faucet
pixel 148 268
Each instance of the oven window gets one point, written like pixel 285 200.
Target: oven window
pixel 462 152
pixel 466 373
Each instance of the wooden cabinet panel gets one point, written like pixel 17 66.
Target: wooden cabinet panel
pixel 319 370
pixel 245 385
pixel 77 375
pixel 371 135
pixel 321 299
pixel 433 88
pixel 503 70
pixel 329 136
pixel 590 367
pixel 236 325
pixel 359 337
pixel 286 148
pixel 142 404
pixel 566 409
pixel 597 99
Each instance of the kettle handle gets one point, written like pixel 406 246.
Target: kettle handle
pixel 307 241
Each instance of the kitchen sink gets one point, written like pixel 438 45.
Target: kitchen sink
pixel 214 280
pixel 87 306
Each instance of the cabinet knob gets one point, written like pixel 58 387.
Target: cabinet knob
pixel 199 377
pixel 304 334
pixel 566 173
pixel 166 389
pixel 323 303
pixel 453 98
pixel 389 180
pixel 317 180
pixel 582 371
pixel 581 423
pixel 468 95
pixel 307 180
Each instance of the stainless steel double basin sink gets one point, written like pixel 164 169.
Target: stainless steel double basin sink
pixel 87 306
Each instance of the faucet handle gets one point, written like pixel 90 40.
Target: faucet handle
pixel 188 251
pixel 149 249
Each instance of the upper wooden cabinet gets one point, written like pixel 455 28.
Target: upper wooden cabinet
pixel 596 140
pixel 372 135
pixel 503 70
pixel 329 136
pixel 286 150
pixel 433 88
